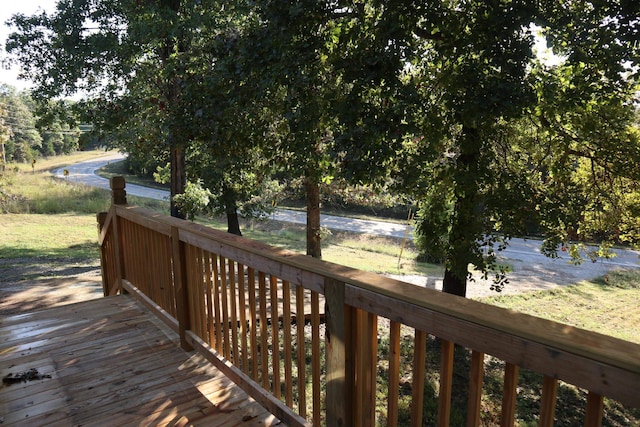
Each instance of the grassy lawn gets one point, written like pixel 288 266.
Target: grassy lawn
pixel 59 236
pixel 608 305
pixel 374 254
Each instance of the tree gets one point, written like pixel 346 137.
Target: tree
pixel 302 62
pixel 498 134
pixel 5 134
pixel 24 142
pixel 145 64
pixel 226 153
pixel 53 140
pixel 127 53
pixel 57 122
pixel 283 59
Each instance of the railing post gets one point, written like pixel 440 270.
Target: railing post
pixel 118 197
pixel 180 286
pixel 118 193
pixel 339 382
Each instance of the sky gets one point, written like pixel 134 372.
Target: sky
pixel 8 9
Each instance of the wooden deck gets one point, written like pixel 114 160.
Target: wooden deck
pixel 111 362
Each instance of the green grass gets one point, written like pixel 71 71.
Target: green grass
pixel 608 305
pixel 38 235
pixel 374 254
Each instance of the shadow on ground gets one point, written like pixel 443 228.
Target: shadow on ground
pixel 29 295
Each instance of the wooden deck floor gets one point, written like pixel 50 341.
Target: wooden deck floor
pixel 112 363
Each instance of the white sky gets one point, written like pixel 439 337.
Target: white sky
pixel 8 9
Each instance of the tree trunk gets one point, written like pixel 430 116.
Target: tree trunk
pixel 172 94
pixel 466 224
pixel 231 209
pixel 178 177
pixel 314 245
pixel 453 285
pixel 233 224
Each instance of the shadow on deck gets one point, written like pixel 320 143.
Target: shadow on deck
pixel 111 362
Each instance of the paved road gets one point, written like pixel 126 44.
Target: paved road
pixel 531 269
pixel 85 173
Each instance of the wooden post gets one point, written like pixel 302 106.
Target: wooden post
pixel 181 288
pixel 118 193
pixel 338 393
pixel 102 217
pixel 118 197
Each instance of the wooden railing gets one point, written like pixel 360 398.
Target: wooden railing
pixel 322 344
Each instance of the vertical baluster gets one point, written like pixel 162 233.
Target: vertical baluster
pixel 224 297
pixel 209 297
pixel 234 313
pixel 548 403
pixel 286 328
pixel 315 356
pixel 475 388
pixel 167 277
pixel 264 344
pixel 242 302
pixel 132 251
pixel 216 301
pixel 275 335
pixel 156 266
pixel 509 394
pixel 301 352
pixel 199 294
pixel 446 382
pixel 366 362
pixel 251 288
pixel 180 277
pixel 138 260
pixel 190 259
pixel 595 406
pixel 417 394
pixel 337 393
pixel 394 374
pixel 151 279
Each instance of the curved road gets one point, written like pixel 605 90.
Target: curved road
pixel 530 269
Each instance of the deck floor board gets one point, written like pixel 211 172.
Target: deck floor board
pixel 112 362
